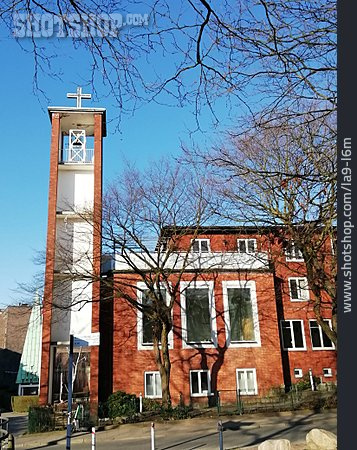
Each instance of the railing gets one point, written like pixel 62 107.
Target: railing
pixel 4 431
pixel 80 156
pixel 229 401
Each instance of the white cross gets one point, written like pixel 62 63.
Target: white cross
pixel 78 96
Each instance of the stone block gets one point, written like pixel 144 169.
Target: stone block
pixel 275 444
pixel 318 439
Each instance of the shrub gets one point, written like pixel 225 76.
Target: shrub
pixel 152 405
pixel 305 384
pixel 41 418
pixel 331 401
pixel 175 413
pixel 122 404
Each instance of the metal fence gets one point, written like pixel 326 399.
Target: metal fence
pixel 274 400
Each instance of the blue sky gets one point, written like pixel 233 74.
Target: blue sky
pixel 152 131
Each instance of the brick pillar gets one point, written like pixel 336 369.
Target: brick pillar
pixel 97 251
pixel 50 260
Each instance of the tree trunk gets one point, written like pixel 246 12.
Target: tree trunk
pixel 316 279
pixel 162 359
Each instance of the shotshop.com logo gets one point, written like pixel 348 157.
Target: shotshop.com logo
pixel 74 25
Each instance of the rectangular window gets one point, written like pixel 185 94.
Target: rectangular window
pixel 153 385
pixel 198 315
pixel 200 245
pixel 147 322
pixel 144 324
pixel 247 245
pixel 200 383
pixel 293 253
pixel 247 381
pixel 298 373
pixel 240 314
pixel 319 339
pixel 327 372
pixel 293 335
pixel 299 289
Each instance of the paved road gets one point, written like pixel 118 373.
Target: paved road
pixel 17 422
pixel 200 433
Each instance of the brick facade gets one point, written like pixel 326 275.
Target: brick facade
pixel 50 260
pixel 14 321
pixel 274 366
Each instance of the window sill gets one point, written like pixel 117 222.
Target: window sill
pixel 295 349
pixel 198 345
pixel 201 395
pixel 323 348
pixel 151 347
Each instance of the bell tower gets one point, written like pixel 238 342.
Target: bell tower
pixel 73 249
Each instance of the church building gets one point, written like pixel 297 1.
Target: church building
pixel 247 326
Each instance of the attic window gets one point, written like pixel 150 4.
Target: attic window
pixel 247 245
pixel 200 245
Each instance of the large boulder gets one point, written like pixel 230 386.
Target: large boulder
pixel 318 439
pixel 275 444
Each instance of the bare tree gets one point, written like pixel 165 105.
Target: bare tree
pixel 137 209
pixel 277 54
pixel 284 177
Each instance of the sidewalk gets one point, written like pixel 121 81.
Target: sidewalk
pixel 246 430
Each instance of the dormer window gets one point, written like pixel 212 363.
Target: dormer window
pixel 247 245
pixel 293 253
pixel 200 245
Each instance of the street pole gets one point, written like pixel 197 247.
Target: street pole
pixel 152 436
pixel 311 380
pixel 69 410
pixel 220 434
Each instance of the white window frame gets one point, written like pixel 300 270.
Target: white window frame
pixel 293 259
pixel 293 349
pixel 301 298
pixel 201 393
pixel 245 370
pixel 155 373
pixel 320 332
pixel 298 373
pixel 199 245
pixel 328 374
pixel 24 386
pixel 246 245
pixel 184 285
pixel 141 286
pixel 227 323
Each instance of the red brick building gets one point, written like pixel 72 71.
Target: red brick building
pixel 242 318
pixel 259 330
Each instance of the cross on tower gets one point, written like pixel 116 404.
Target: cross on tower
pixel 78 96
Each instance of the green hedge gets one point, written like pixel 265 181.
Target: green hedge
pixel 41 418
pixel 23 403
pixel 122 404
